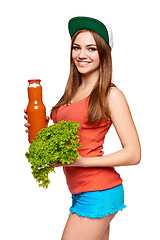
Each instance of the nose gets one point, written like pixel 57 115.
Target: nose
pixel 82 54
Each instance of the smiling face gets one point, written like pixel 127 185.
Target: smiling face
pixel 85 54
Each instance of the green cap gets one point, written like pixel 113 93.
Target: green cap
pixel 78 23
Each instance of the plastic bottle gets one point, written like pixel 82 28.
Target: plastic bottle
pixel 36 110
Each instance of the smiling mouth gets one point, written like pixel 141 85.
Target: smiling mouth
pixel 83 62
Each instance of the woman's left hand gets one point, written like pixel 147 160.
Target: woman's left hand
pixel 76 163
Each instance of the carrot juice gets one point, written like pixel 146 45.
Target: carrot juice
pixel 36 110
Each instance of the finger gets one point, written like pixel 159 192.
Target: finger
pixel 47 120
pixel 27 130
pixel 25 110
pixel 26 117
pixel 27 125
pixel 57 165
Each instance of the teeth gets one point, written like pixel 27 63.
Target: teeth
pixel 83 63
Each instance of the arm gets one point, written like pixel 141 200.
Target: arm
pixel 125 128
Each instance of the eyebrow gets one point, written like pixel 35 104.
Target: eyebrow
pixel 88 45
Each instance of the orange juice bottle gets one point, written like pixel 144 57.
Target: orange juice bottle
pixel 36 110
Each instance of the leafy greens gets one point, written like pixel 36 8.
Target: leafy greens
pixel 55 144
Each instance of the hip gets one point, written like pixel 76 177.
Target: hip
pixel 98 204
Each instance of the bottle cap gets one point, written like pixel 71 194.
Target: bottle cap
pixel 34 80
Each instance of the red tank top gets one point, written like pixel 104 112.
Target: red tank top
pixel 80 179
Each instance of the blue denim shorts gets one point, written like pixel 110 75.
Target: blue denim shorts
pixel 98 204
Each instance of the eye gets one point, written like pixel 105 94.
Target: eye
pixel 92 49
pixel 75 47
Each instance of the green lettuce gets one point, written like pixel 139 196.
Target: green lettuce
pixel 55 144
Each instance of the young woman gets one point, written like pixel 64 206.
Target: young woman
pixel 93 101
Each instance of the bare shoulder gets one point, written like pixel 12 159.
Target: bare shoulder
pixel 115 93
pixel 116 97
pixel 117 104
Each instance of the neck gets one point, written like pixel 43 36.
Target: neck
pixel 89 80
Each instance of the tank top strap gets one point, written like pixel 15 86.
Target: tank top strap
pixel 113 85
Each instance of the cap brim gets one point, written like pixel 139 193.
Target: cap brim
pixel 79 23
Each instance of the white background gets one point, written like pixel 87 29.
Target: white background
pixel 34 43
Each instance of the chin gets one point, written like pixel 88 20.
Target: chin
pixel 85 71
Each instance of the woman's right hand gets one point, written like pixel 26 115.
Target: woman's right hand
pixel 27 125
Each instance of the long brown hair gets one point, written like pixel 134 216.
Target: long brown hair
pixel 97 107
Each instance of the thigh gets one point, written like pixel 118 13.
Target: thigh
pixel 106 234
pixel 85 228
